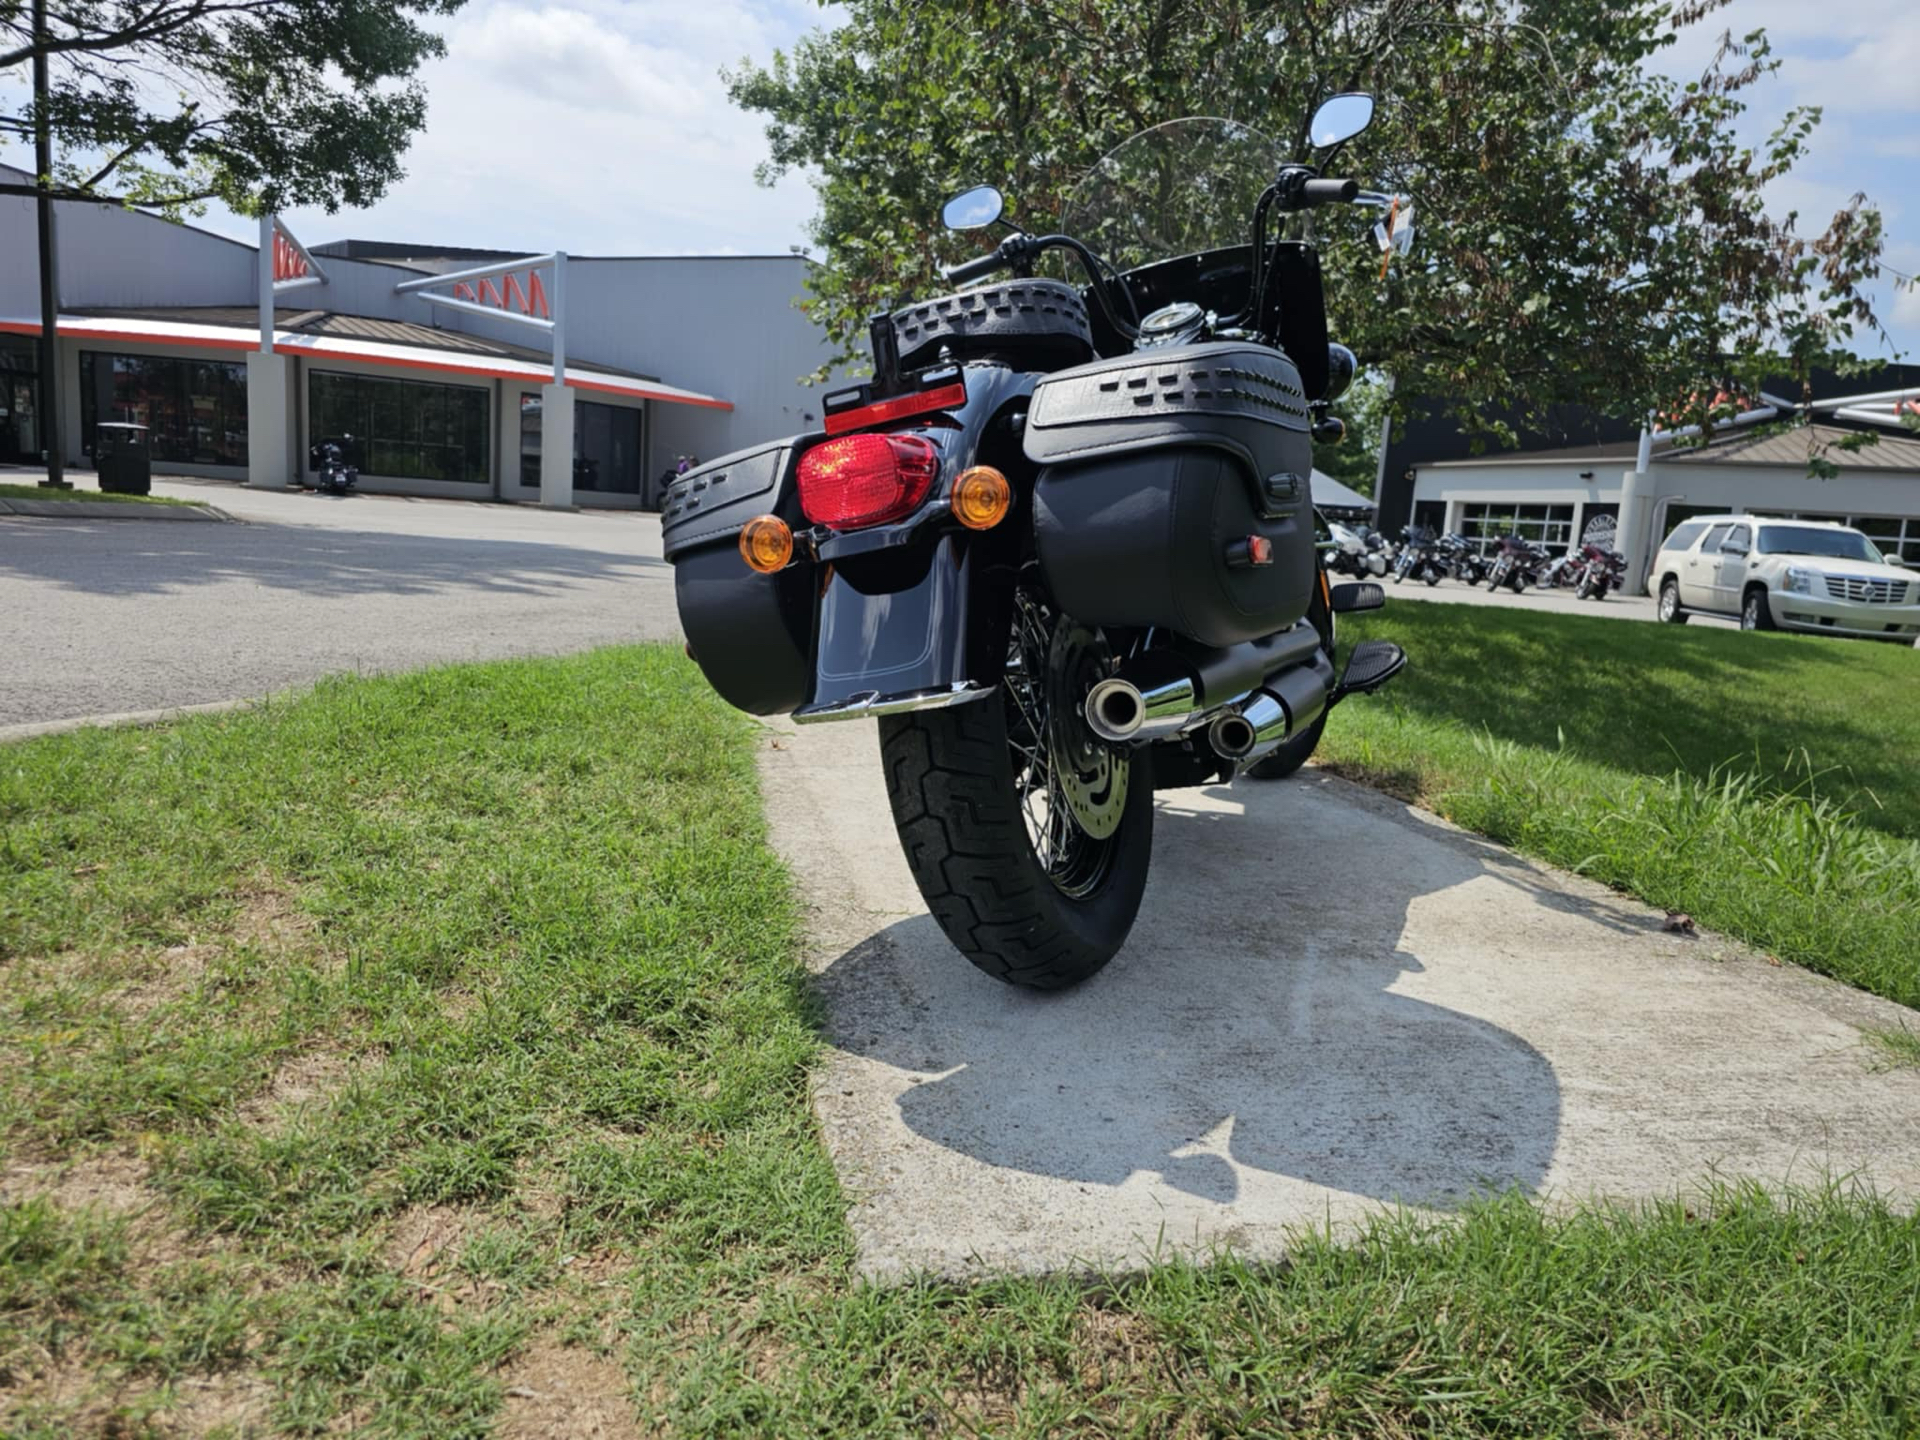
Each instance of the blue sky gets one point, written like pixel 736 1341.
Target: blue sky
pixel 602 127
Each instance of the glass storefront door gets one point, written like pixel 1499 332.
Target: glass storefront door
pixel 608 448
pixel 20 422
pixel 20 437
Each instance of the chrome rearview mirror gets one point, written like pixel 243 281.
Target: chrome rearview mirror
pixel 1340 118
pixel 973 209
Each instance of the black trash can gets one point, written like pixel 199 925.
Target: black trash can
pixel 122 459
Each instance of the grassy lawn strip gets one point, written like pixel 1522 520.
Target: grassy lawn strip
pixel 428 1056
pixel 1763 784
pixel 36 492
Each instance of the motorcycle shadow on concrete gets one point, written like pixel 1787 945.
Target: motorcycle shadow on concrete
pixel 1249 1025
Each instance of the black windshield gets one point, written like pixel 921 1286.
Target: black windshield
pixel 1805 540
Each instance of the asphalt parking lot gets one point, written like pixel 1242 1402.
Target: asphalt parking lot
pixel 117 616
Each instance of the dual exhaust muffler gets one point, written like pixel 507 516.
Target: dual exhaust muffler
pixel 1256 694
pixel 1284 705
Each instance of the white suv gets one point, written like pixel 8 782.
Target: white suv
pixel 1786 575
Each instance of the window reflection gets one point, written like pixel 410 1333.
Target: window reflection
pixel 402 429
pixel 606 446
pixel 195 411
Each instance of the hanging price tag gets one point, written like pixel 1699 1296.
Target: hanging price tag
pixel 1395 233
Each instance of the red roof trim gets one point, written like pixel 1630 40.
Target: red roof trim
pixel 637 389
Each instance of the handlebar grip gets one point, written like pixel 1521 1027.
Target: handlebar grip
pixel 1331 192
pixel 974 269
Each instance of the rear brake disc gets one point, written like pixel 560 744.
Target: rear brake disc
pixel 1089 775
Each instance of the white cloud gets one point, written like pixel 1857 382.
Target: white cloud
pixel 1859 62
pixel 595 126
pixel 1905 311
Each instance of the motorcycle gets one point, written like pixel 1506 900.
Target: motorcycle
pixel 1603 569
pixel 328 460
pixel 1351 553
pixel 1062 544
pixel 1419 557
pixel 1517 563
pixel 1461 560
pixel 1564 570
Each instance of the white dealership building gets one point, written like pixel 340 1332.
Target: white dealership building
pixel 1650 485
pixel 459 372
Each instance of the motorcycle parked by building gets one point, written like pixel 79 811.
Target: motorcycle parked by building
pixel 1419 556
pixel 328 460
pixel 1517 563
pixel 1602 570
pixel 1562 570
pixel 1062 544
pixel 1351 552
pixel 1460 559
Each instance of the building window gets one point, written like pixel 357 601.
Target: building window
pixel 1485 524
pixel 195 411
pixel 402 429
pixel 1892 535
pixel 607 447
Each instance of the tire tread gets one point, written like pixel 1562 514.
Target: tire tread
pixel 966 843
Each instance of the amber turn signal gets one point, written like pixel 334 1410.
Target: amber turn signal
pixel 981 497
pixel 766 544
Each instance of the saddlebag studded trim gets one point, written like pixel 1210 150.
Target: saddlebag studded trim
pixel 715 500
pixel 1220 393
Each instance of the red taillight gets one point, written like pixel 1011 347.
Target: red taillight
pixel 866 479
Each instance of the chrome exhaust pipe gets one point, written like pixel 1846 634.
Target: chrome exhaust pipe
pixel 1258 725
pixel 1119 710
pixel 1167 691
pixel 1284 705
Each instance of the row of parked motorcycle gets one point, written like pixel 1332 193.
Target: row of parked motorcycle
pixel 1590 570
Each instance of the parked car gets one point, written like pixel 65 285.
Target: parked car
pixel 1786 575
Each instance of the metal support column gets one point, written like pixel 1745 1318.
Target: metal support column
pixel 49 259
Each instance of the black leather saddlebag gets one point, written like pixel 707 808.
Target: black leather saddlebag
pixel 751 634
pixel 1162 473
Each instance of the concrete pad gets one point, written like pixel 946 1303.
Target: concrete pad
pixel 1331 1002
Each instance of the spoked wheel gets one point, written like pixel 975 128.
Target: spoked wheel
pixel 1028 836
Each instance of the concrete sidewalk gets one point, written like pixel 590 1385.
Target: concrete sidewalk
pixel 1331 1002
pixel 106 510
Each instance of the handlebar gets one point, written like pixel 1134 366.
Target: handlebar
pixel 976 268
pixel 1330 192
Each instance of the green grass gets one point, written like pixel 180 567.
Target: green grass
pixel 1764 784
pixel 1899 1048
pixel 366 1050
pixel 38 492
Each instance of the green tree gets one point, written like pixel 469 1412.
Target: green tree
pixel 1589 230
pixel 259 104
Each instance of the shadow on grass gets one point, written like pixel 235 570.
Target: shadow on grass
pixel 1652 699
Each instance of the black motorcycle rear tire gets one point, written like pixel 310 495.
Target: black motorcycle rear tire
pixel 959 821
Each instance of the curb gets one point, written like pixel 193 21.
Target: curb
pixel 33 728
pixel 110 510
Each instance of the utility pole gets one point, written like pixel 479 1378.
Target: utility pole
pixel 50 433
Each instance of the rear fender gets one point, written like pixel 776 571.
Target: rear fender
pixel 914 616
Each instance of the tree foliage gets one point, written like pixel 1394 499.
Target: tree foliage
pixel 1589 229
pixel 259 104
